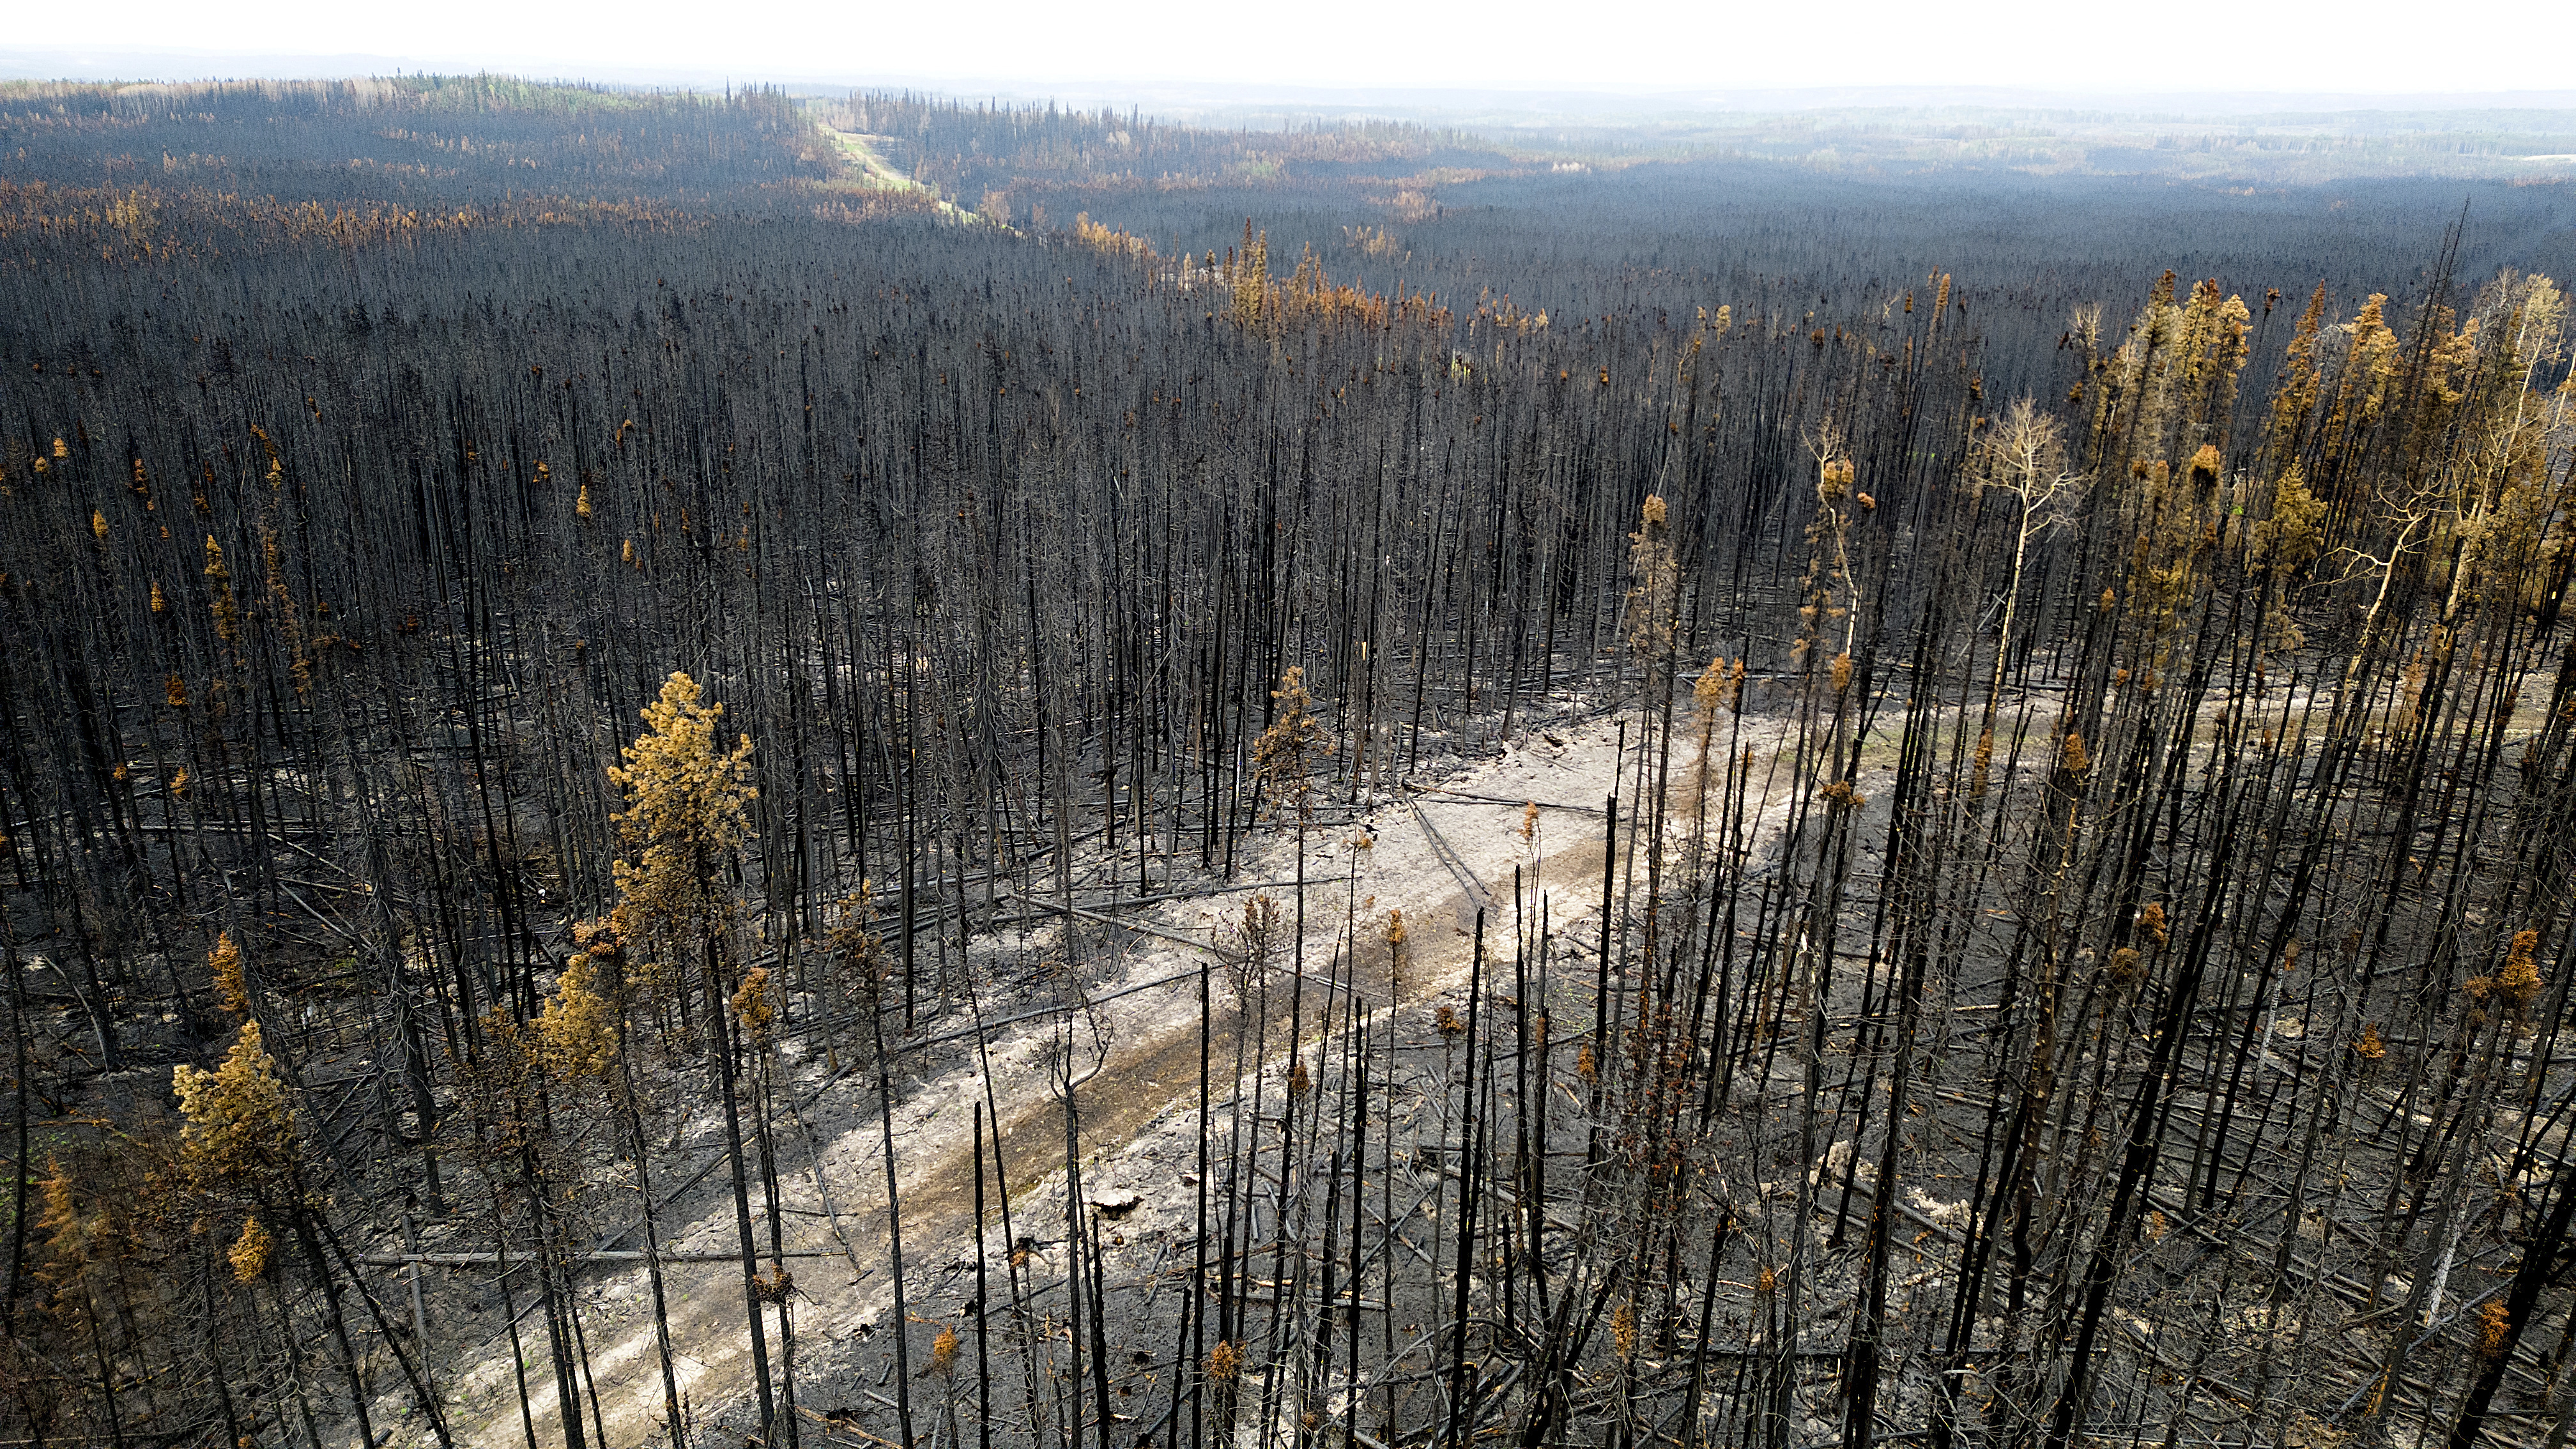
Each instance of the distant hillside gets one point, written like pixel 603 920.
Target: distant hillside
pixel 410 139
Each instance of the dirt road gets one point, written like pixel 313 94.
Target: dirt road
pixel 1148 1075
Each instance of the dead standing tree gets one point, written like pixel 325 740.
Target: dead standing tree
pixel 681 829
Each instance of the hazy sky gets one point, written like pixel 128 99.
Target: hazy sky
pixel 2238 45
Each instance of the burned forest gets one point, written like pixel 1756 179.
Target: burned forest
pixel 716 769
